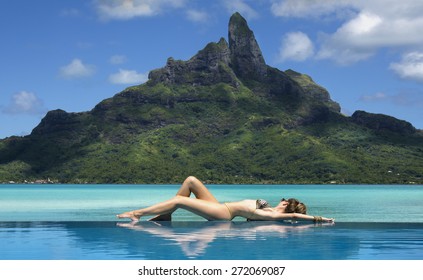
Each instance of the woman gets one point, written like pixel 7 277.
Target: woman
pixel 207 206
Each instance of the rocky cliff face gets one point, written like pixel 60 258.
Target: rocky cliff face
pixel 380 122
pixel 242 62
pixel 209 66
pixel 219 62
pixel 54 121
pixel 316 91
pixel 246 58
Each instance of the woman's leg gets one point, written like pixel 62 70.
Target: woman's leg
pixel 193 185
pixel 206 209
pixel 190 185
pixel 160 209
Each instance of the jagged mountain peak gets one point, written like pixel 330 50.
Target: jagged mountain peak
pixel 246 57
pixel 242 55
pixel 209 66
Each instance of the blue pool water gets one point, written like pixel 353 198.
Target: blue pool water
pixel 78 222
pixel 210 240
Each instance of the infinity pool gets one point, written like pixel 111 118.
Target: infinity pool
pixel 78 222
pixel 210 240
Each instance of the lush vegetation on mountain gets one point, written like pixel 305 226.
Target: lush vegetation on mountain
pixel 225 117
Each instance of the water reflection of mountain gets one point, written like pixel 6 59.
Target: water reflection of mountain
pixel 213 240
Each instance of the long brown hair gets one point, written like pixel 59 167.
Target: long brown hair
pixel 294 206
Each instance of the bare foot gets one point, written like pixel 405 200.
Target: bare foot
pixel 164 217
pixel 130 215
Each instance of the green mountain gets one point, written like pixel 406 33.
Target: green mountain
pixel 225 117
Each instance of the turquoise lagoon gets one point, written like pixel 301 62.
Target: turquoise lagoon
pixel 78 222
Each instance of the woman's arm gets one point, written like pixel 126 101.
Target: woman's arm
pixel 272 215
pixel 316 219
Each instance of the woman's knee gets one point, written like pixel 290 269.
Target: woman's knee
pixel 191 180
pixel 179 200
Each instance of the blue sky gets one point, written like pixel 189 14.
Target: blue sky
pixel 71 54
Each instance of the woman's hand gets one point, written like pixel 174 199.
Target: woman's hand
pixel 328 220
pixel 319 219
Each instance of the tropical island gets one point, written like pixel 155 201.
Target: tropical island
pixel 224 116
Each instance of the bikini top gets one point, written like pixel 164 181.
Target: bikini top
pixel 261 203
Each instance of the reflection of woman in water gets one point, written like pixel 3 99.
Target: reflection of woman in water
pixel 207 206
pixel 195 241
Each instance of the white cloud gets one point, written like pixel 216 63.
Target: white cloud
pixel 296 46
pixel 197 16
pixel 25 102
pixel 353 41
pixel 117 59
pixel 366 26
pixel 240 6
pixel 76 69
pixel 364 23
pixel 128 9
pixel 128 77
pixel 410 67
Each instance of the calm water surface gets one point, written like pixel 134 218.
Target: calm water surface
pixel 210 240
pixel 78 222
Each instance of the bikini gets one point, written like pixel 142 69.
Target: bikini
pixel 230 212
pixel 260 204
